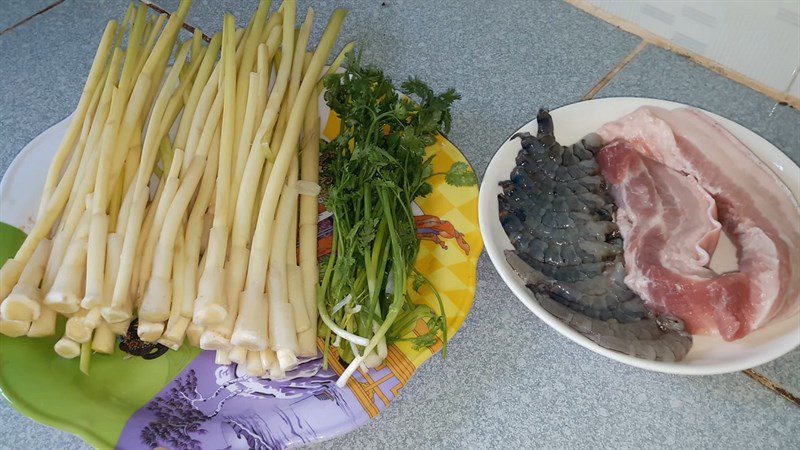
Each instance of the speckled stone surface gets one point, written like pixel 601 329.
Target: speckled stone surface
pixel 505 66
pixel 509 380
pixel 661 74
pixel 43 66
pixel 13 11
pixel 784 371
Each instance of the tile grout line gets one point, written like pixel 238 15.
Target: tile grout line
pixel 783 98
pixel 23 21
pixel 772 386
pixel 617 69
pixel 161 10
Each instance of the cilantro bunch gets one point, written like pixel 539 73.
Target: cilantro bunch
pixel 377 167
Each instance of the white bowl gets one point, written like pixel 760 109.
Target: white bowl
pixel 709 354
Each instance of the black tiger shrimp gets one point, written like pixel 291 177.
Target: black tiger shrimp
pixel 558 214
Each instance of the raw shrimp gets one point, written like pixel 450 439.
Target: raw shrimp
pixel 558 215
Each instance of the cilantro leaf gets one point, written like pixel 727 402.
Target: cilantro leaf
pixel 460 175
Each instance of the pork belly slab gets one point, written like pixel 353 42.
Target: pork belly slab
pixel 677 177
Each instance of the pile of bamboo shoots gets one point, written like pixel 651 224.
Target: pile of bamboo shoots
pixel 181 194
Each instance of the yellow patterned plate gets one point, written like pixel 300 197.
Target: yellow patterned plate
pixel 182 399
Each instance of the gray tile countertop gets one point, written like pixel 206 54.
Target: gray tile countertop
pixel 15 11
pixel 509 380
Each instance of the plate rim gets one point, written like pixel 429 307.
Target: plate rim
pixel 512 280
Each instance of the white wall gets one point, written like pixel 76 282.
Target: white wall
pixel 760 39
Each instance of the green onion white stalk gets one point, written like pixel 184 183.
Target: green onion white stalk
pixel 177 229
